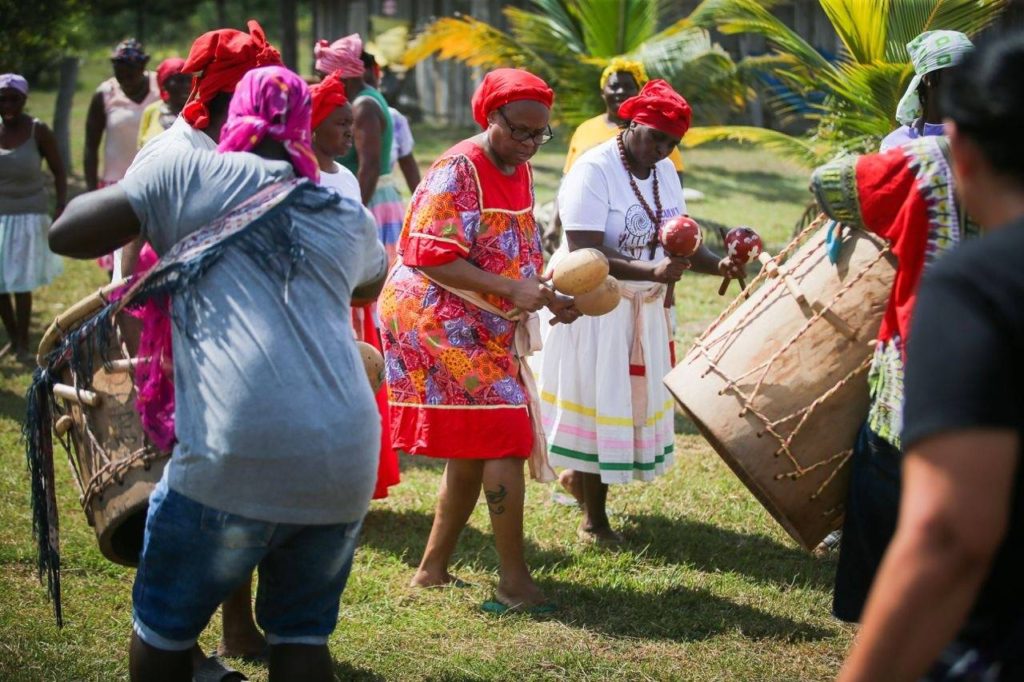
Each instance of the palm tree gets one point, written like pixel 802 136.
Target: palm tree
pixel 849 104
pixel 569 42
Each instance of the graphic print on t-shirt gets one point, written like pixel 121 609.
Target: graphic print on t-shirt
pixel 636 238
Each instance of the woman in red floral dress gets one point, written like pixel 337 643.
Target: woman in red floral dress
pixel 469 254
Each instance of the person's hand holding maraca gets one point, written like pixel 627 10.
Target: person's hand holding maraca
pixel 741 245
pixel 530 294
pixel 681 238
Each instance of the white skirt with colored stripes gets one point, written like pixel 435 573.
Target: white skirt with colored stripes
pixel 605 408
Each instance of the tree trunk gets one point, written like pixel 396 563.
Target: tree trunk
pixel 289 34
pixel 68 70
pixel 140 21
pixel 222 13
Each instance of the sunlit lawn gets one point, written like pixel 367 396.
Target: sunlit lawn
pixel 707 586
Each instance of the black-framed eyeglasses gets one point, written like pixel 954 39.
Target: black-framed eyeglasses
pixel 539 137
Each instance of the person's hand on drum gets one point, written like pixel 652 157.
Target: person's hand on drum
pixel 531 294
pixel 669 269
pixel 729 268
pixel 564 309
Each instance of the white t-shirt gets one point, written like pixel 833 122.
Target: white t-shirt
pixel 595 196
pixel 342 181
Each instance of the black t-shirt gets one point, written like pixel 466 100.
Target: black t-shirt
pixel 965 369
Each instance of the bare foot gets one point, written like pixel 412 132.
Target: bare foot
pixel 601 535
pixel 524 595
pixel 572 484
pixel 424 578
pixel 252 645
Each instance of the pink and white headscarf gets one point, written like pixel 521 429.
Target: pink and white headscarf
pixel 342 55
pixel 271 101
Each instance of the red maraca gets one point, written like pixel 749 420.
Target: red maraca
pixel 741 244
pixel 680 236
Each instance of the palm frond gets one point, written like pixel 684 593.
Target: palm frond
pixel 752 16
pixel 787 145
pixel 861 26
pixel 910 18
pixel 467 40
pixel 614 27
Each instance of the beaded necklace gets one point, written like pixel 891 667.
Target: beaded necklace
pixel 653 215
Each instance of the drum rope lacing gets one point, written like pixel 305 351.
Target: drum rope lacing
pixel 705 347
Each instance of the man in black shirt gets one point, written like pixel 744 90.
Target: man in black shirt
pixel 948 602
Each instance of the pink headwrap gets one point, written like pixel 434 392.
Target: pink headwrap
pixel 342 55
pixel 271 101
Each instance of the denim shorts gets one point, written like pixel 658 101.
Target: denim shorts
pixel 194 557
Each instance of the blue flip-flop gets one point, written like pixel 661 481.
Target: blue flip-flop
pixel 497 608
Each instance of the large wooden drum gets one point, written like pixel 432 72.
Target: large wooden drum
pixel 778 383
pixel 115 466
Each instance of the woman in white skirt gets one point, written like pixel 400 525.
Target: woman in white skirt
pixel 26 261
pixel 607 415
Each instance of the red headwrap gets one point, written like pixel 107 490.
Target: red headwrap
pixel 327 96
pixel 658 106
pixel 503 86
pixel 168 67
pixel 223 57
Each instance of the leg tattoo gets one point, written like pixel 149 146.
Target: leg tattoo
pixel 495 498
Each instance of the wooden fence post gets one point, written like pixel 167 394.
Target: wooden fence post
pixel 68 70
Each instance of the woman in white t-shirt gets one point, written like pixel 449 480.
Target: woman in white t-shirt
pixel 332 136
pixel 607 415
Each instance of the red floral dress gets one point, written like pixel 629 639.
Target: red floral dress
pixel 452 376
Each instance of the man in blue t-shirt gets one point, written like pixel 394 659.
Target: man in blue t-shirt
pixel 278 434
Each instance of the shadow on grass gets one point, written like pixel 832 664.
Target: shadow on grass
pixel 343 670
pixel 12 405
pixel 711 549
pixel 410 462
pixel 403 534
pixel 676 614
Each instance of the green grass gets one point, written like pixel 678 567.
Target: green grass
pixel 707 587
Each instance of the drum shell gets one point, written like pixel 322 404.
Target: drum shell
pixel 103 438
pixel 807 360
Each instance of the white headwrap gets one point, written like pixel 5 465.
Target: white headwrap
pixel 930 51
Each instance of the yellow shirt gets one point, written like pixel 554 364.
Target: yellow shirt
pixel 150 125
pixel 593 132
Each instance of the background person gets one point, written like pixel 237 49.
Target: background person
pixel 26 262
pixel 919 110
pixel 947 604
pixel 174 91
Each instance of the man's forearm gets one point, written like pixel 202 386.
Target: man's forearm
pixel 920 600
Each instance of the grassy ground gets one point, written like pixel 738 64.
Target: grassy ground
pixel 707 586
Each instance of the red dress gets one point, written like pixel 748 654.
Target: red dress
pixel 452 376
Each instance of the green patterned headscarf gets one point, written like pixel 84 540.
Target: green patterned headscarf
pixel 930 51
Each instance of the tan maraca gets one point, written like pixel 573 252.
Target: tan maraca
pixel 602 300
pixel 373 363
pixel 577 273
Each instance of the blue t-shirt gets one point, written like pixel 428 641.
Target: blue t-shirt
pixel 274 417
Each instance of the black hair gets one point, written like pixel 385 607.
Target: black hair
pixel 985 98
pixel 369 61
